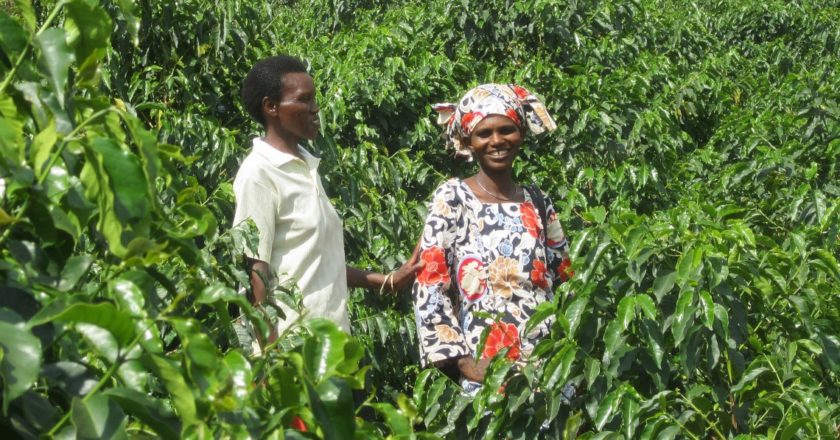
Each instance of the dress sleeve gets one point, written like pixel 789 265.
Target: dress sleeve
pixel 557 246
pixel 256 201
pixel 438 328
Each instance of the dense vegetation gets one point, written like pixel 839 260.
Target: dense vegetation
pixel 695 168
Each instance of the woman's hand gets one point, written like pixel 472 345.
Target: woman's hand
pixel 392 282
pixel 472 369
pixel 404 276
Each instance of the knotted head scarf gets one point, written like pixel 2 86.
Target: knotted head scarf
pixel 514 102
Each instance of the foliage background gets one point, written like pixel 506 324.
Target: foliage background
pixel 695 168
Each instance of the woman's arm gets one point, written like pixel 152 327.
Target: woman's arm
pixel 400 279
pixel 472 369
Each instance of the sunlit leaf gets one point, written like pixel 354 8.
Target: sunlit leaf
pixel 56 58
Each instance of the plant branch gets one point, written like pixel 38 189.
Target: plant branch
pixel 25 52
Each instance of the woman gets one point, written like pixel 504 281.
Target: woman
pixel 489 257
pixel 278 186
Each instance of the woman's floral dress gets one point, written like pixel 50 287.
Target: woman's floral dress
pixel 487 265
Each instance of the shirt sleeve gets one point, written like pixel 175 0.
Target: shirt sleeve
pixel 257 202
pixel 557 246
pixel 438 329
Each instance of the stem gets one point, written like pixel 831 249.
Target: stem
pixel 19 61
pixel 702 415
pixel 55 156
pixel 683 429
pixel 105 378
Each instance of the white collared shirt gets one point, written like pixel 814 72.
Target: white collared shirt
pixel 301 235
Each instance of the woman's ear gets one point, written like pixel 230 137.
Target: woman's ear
pixel 269 107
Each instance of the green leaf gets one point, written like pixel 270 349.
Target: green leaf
pixel 573 424
pixel 332 405
pixel 72 378
pixel 646 305
pixel 399 424
pixel 27 13
pixel 708 309
pixel 663 285
pixel 20 356
pixel 75 268
pixel 593 259
pixel 723 316
pixel 13 37
pixel 682 316
pixel 558 367
pixel 629 417
pixel 794 429
pixel 689 265
pixel 591 370
pixel 129 297
pixel 97 417
pixel 626 311
pixel 88 29
pixel 612 339
pixel 181 394
pixel 543 311
pixel 747 378
pixel 152 412
pixel 130 190
pixel 323 352
pixel 654 338
pixel 574 313
pixel 607 407
pixel 595 214
pixel 55 60
pixel 827 262
pixel 42 144
pixel 198 347
pixel 105 315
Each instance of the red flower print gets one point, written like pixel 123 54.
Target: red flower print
pixel 435 271
pixel 564 269
pixel 502 335
pixel 467 119
pixel 511 114
pixel 472 278
pixel 297 423
pixel 538 275
pixel 521 92
pixel 529 219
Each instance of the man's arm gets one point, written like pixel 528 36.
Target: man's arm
pixel 258 271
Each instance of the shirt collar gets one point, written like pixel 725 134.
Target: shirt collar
pixel 278 158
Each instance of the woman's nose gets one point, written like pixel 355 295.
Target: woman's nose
pixel 496 139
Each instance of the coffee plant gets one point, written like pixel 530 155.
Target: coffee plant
pixel 695 168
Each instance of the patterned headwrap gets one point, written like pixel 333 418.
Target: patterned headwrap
pixel 507 100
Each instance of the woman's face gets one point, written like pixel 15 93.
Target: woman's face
pixel 297 112
pixel 495 142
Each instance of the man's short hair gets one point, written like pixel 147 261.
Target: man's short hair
pixel 266 80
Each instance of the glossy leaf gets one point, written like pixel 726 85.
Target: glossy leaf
pixel 56 58
pixel 98 417
pixel 103 315
pixel 153 413
pixel 21 356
